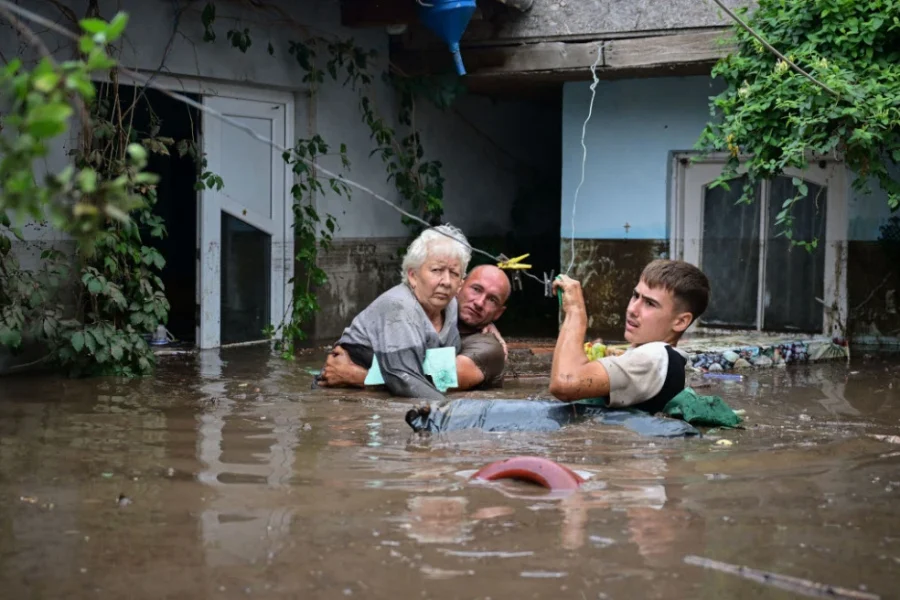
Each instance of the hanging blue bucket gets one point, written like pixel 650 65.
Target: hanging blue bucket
pixel 448 19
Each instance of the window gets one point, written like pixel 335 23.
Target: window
pixel 759 280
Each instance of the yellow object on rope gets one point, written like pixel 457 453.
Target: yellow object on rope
pixel 513 263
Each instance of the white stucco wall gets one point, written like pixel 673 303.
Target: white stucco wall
pixel 635 126
pixel 479 189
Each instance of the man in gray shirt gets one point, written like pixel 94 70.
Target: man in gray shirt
pixel 482 357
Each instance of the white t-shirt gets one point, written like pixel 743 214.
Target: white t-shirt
pixel 637 375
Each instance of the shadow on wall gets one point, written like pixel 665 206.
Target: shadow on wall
pixel 535 231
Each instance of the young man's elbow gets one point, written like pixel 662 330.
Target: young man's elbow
pixel 562 389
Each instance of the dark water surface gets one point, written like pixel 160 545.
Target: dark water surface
pixel 225 477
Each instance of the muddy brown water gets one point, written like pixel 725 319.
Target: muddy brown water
pixel 224 476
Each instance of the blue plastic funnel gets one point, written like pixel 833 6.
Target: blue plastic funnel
pixel 448 19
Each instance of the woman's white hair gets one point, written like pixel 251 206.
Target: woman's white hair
pixel 445 241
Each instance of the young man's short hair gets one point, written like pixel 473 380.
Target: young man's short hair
pixel 688 284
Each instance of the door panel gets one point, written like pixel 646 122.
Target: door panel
pixel 243 226
pixel 795 276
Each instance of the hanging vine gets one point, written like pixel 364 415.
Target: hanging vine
pixel 418 181
pixel 770 118
pixel 95 318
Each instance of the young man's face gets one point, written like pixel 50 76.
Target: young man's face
pixel 653 316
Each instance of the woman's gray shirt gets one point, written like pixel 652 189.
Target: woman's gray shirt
pixel 399 332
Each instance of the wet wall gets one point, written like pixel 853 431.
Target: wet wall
pixel 623 209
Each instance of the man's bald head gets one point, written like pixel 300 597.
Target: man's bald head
pixel 482 298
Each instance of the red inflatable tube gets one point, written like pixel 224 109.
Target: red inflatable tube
pixel 531 468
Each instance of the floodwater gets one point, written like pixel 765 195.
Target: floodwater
pixel 225 477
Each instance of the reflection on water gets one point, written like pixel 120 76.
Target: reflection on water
pixel 245 483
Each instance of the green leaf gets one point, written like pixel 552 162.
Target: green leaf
pixel 87 181
pixel 116 26
pixel 95 287
pixel 90 342
pixel 116 351
pixel 78 341
pixel 10 337
pixel 86 44
pixel 48 120
pixel 93 26
pixel 46 82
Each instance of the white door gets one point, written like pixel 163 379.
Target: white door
pixel 759 281
pixel 245 255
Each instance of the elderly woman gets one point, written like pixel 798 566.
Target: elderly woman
pixel 418 314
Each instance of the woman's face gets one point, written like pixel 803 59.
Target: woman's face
pixel 436 282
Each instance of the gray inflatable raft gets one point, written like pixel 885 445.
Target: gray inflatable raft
pixel 538 415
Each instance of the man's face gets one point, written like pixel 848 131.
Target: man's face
pixel 653 316
pixel 482 297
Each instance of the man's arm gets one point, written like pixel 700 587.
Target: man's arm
pixel 573 376
pixel 467 373
pixel 340 371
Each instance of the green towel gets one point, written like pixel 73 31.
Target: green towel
pixel 707 411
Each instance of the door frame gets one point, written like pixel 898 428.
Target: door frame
pixel 206 87
pixel 215 203
pixel 684 220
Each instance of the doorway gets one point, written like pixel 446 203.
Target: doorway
pixel 162 117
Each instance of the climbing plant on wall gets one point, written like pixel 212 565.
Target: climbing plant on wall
pixel 94 311
pixel 779 119
pixel 92 200
pixel 325 60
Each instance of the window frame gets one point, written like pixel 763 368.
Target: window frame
pixel 686 227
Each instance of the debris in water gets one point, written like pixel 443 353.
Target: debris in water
pixel 106 475
pixel 435 573
pixel 124 500
pixel 601 542
pixel 724 443
pixel 890 439
pixel 543 574
pixel 28 499
pixel 805 417
pixel 784 582
pixel 486 554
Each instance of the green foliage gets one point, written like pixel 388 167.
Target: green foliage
pixel 419 181
pixel 312 232
pixel 103 200
pixel 779 119
pixel 74 200
pixel 119 298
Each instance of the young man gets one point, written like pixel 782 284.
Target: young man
pixel 668 298
pixel 482 357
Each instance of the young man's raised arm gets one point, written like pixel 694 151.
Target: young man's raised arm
pixel 573 376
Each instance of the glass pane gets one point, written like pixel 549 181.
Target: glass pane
pixel 246 276
pixel 795 277
pixel 731 255
pixel 244 154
